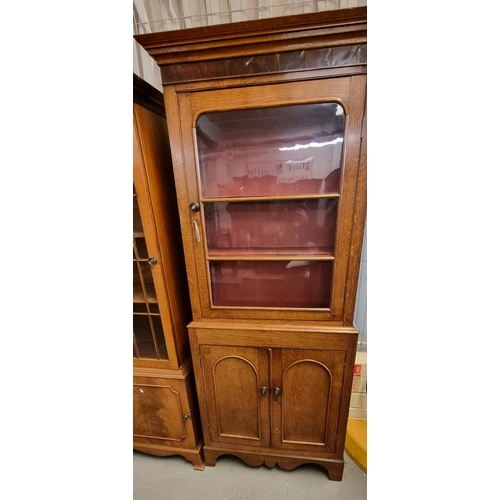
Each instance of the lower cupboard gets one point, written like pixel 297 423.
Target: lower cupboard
pixel 275 397
pixel 166 415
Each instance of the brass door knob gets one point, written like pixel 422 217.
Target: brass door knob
pixel 153 261
pixel 263 390
pixel 277 391
pixel 195 207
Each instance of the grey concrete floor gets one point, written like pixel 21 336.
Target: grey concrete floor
pixel 173 478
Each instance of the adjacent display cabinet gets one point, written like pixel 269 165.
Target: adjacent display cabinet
pixel 166 415
pixel 267 131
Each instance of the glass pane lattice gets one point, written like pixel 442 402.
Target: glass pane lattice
pixel 149 340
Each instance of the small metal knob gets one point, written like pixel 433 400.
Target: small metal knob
pixel 195 207
pixel 153 261
pixel 263 390
pixel 277 391
pixel 185 417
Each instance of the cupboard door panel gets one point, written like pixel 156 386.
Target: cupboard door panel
pixel 306 385
pixel 238 411
pixel 307 409
pixel 158 413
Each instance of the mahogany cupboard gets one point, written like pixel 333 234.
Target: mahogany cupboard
pixel 267 131
pixel 166 420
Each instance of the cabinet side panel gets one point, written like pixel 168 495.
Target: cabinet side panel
pixel 348 190
pixel 346 395
pixel 359 218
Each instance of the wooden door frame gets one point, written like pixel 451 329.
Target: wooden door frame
pixel 189 107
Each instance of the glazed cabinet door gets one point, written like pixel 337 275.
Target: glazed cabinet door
pixel 306 396
pixel 148 335
pixel 152 331
pixel 269 191
pixel 236 389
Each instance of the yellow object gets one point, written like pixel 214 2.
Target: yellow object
pixel 355 443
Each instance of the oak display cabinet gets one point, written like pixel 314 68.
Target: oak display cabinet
pixel 166 415
pixel 267 132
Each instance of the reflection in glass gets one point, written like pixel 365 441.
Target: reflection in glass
pixel 160 338
pixel 140 308
pixel 146 330
pixel 142 250
pixel 144 290
pixel 289 150
pixel 296 284
pixel 271 227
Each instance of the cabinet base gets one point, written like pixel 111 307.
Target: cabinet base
pixel 334 468
pixel 194 456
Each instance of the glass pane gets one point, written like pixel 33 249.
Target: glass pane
pixel 140 307
pixel 305 227
pixel 138 290
pixel 144 269
pixel 140 244
pixel 290 150
pixel 271 283
pixel 160 338
pixel 144 337
pixel 153 308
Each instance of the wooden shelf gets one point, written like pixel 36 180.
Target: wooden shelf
pixel 146 349
pixel 244 199
pixel 269 254
pixel 145 337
